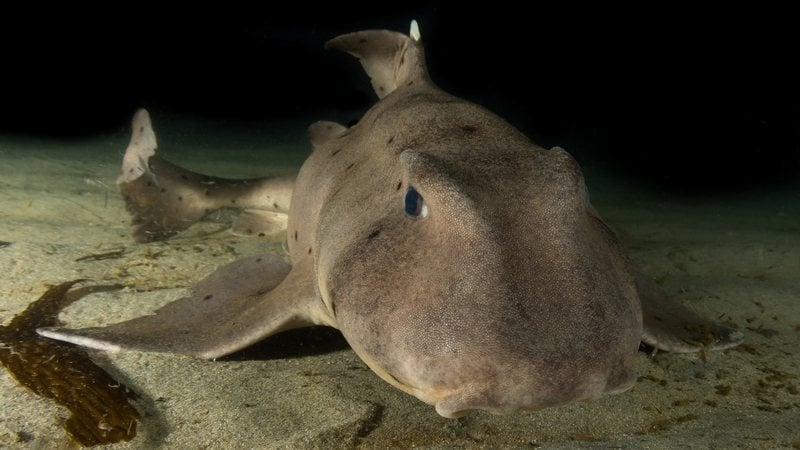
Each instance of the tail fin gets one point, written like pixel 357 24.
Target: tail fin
pixel 142 146
pixel 165 199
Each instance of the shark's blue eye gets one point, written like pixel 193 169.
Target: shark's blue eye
pixel 414 205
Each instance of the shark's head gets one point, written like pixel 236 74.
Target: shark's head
pixel 463 263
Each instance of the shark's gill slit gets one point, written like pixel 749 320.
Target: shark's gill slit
pixel 414 204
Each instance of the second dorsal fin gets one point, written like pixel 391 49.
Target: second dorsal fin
pixel 323 131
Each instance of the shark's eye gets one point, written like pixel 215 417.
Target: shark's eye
pixel 414 205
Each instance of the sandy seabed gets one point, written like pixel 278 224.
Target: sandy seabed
pixel 733 257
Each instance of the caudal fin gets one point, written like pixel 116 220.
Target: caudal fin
pixel 164 199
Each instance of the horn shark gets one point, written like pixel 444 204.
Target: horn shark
pixel 462 262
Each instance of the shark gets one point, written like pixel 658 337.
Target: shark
pixel 462 262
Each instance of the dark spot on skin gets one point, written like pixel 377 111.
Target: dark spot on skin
pixel 248 231
pixel 336 192
pixel 184 177
pixel 261 234
pixel 410 83
pixel 130 170
pixel 309 250
pixel 362 41
pixel 275 205
pixel 350 166
pixel 149 184
pixel 180 198
pixel 295 235
pixel 4 244
pixel 208 297
pixel 399 185
pixel 374 234
pixel 469 129
pixel 233 200
pixel 163 190
pixel 391 139
pixel 141 129
pixel 336 151
pixel 381 88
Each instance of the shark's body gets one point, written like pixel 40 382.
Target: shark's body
pixel 462 262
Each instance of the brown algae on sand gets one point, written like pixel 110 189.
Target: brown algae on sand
pixel 101 412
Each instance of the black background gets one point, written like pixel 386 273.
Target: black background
pixel 671 94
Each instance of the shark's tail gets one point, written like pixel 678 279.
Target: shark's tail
pixel 164 199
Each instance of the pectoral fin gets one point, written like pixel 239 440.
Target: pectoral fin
pixel 234 307
pixel 670 326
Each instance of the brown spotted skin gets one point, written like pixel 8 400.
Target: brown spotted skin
pixel 495 298
pixel 510 294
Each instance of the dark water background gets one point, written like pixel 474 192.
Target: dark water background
pixel 685 99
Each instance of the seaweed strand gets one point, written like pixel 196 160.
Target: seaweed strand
pixel 100 407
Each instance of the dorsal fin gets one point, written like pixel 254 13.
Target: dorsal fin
pixel 323 131
pixel 390 59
